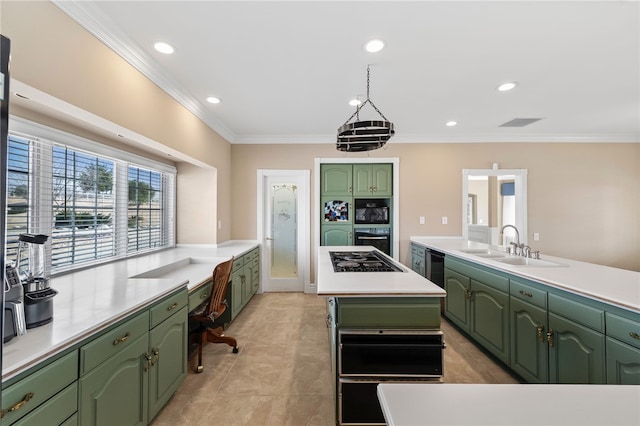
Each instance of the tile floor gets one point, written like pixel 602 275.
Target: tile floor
pixel 281 375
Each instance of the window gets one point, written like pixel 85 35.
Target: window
pixel 97 203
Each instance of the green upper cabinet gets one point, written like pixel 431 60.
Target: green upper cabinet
pixel 336 179
pixel 372 180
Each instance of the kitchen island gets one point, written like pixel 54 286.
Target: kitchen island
pixel 383 326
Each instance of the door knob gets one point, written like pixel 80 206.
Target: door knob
pixel 269 239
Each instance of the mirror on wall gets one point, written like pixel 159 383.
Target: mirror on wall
pixel 491 199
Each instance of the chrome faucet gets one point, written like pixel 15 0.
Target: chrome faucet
pixel 517 244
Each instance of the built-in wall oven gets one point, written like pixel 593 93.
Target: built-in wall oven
pixel 379 238
pixel 369 357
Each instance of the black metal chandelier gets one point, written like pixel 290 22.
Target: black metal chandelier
pixel 365 135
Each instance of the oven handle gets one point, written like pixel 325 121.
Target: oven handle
pixel 371 238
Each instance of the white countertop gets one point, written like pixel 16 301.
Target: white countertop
pixel 415 404
pixel 354 284
pixel 94 298
pixel 615 286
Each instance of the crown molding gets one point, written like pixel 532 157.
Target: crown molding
pixel 89 16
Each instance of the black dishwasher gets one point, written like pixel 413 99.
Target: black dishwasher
pixel 434 270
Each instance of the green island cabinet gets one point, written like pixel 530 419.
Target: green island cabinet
pixel 373 317
pixel 122 375
pixel 245 280
pixel 418 259
pixel 478 302
pixel 553 336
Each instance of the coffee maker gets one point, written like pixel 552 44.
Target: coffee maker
pixel 32 267
pixel 14 321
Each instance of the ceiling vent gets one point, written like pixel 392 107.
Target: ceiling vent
pixel 520 122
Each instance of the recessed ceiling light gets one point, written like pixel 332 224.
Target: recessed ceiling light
pixel 163 47
pixel 213 100
pixel 507 86
pixel 374 46
pixel 355 102
pixel 451 123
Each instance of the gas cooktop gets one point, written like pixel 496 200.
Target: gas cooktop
pixel 361 261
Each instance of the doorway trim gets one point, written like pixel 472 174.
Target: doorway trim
pixel 303 223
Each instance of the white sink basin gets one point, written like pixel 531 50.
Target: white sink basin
pixel 165 270
pixel 525 261
pixel 485 253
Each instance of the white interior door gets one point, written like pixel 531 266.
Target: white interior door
pixel 283 229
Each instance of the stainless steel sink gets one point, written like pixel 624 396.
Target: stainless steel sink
pixel 526 261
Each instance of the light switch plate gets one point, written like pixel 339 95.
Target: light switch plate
pixel 444 220
pixel 421 220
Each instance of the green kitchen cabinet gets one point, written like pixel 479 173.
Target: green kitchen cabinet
pixel 117 391
pixel 529 350
pixel 372 180
pixel 418 259
pixel 130 371
pixel 169 350
pixel 49 392
pixel 478 302
pixel 336 179
pixel 245 280
pixel 623 349
pixel 458 288
pixel 623 363
pixel 336 235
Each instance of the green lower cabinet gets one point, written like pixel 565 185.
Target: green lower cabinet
pixel 576 353
pixel 116 392
pixel 237 282
pixel 623 363
pixel 169 351
pixel 489 325
pixel 457 287
pixel 418 259
pixel 336 235
pixel 56 411
pixel 529 353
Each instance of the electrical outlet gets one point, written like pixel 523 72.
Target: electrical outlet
pixel 444 220
pixel 421 220
pixel 219 224
pixel 536 236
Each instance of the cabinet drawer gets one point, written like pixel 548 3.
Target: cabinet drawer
pixel 169 306
pixel 578 312
pixel 238 263
pixel 199 296
pixel 623 329
pixel 417 250
pixel 529 294
pixel 112 342
pixel 495 280
pixel 389 313
pixel 56 410
pixel 40 386
pixel 253 254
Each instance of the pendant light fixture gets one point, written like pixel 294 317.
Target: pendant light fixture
pixel 365 135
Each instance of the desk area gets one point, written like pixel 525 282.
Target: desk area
pixel 138 302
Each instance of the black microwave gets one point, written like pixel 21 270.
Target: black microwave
pixel 371 211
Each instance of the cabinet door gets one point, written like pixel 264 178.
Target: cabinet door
pixel 457 299
pixel 237 280
pixel 382 175
pixel 117 391
pixel 168 350
pixel 576 353
pixel 490 319
pixel 336 235
pixel 623 363
pixel 362 180
pixel 529 357
pixel 418 260
pixel 336 179
pixel 247 284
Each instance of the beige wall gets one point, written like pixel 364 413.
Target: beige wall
pixel 584 198
pixel 53 54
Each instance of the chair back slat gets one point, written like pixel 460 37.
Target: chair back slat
pixel 221 276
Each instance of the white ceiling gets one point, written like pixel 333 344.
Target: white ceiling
pixel 285 71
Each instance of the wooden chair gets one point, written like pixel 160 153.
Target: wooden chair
pixel 205 315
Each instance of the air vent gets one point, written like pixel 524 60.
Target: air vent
pixel 520 122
